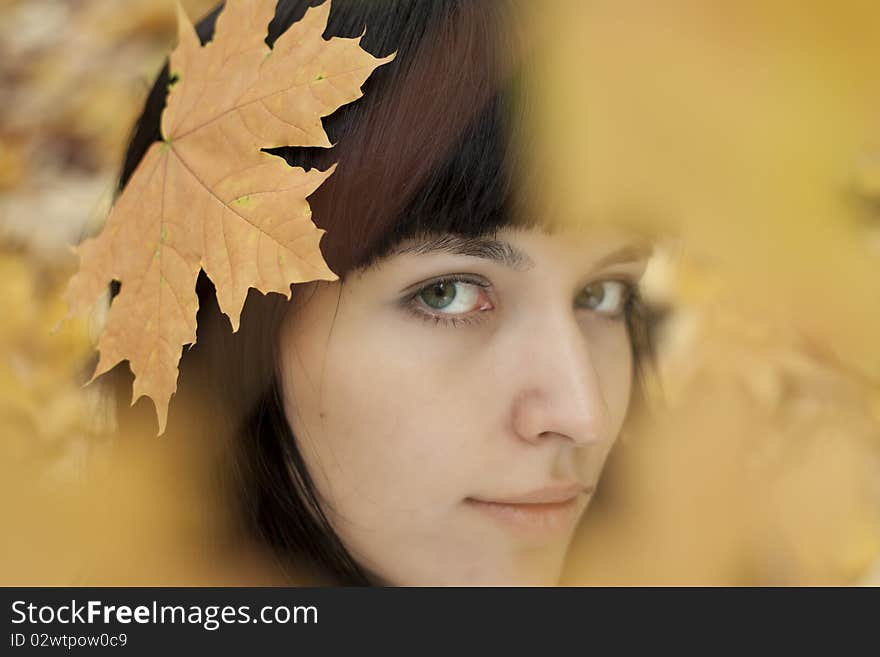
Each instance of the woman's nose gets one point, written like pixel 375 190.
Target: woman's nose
pixel 561 393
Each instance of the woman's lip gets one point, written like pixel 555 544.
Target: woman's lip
pixel 536 518
pixel 548 494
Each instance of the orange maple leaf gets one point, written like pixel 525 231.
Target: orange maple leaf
pixel 206 197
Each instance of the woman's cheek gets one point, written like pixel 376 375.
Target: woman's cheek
pixel 386 429
pixel 611 356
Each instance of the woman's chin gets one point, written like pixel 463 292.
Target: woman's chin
pixel 547 574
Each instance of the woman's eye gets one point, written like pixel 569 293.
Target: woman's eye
pixel 605 297
pixel 451 300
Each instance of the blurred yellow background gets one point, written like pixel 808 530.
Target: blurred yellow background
pixel 747 134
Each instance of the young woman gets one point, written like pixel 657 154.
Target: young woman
pixel 440 414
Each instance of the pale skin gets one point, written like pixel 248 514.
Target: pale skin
pixel 404 422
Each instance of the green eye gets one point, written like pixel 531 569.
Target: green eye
pixel 439 295
pixel 453 300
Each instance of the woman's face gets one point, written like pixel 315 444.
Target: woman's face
pixel 455 430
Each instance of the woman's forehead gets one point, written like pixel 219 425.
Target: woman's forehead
pixel 578 234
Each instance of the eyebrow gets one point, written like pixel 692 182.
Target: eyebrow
pixel 503 252
pixel 628 253
pixel 489 248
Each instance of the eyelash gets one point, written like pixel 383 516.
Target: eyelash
pixel 440 319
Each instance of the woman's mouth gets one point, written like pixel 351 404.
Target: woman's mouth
pixel 543 513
